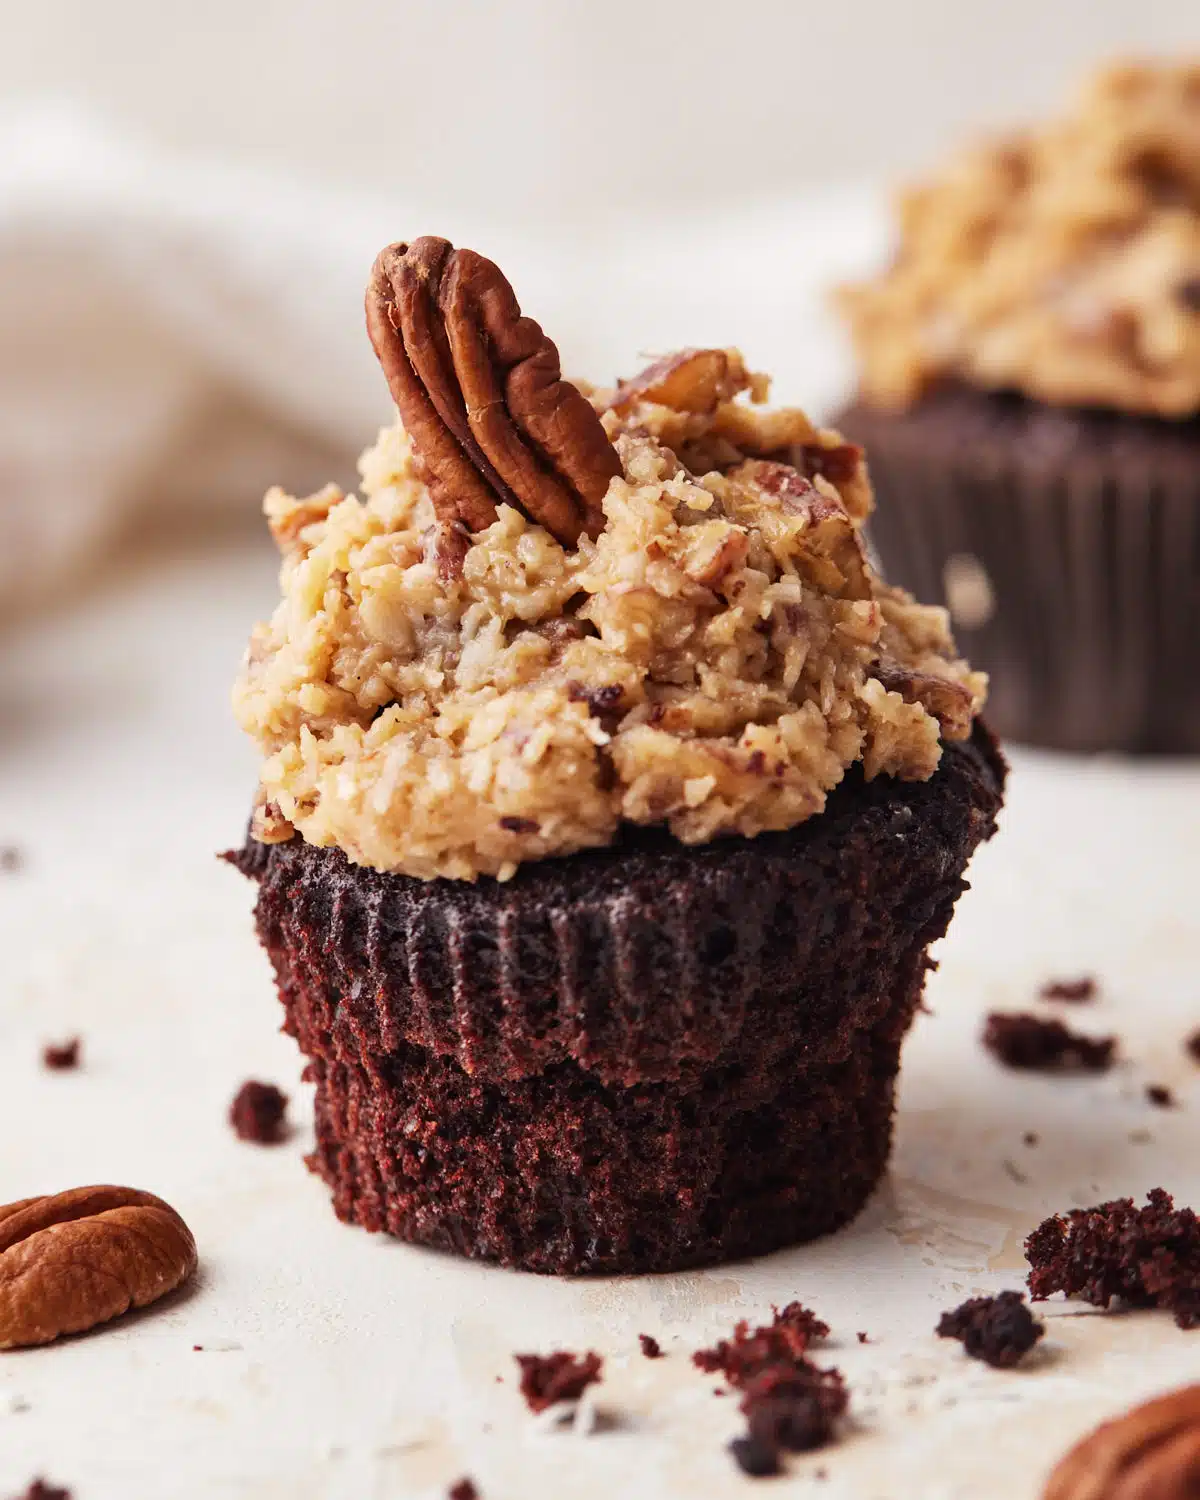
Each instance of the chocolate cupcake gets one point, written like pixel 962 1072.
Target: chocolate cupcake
pixel 609 804
pixel 1030 404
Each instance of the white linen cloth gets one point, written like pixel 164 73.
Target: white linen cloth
pixel 178 335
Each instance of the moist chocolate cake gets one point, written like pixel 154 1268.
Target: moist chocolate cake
pixel 609 802
pixel 615 1061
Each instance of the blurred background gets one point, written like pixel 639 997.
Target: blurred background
pixel 190 198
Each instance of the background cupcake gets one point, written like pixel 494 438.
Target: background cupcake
pixel 1030 402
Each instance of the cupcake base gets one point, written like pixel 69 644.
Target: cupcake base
pixel 1067 546
pixel 643 1058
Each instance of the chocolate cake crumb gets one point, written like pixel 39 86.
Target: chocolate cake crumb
pixel 1028 1042
pixel 651 1348
pixel 1031 1138
pixel 1193 1045
pixel 258 1113
pixel 862 1338
pixel 754 1457
pixel 786 1337
pixel 1071 991
pixel 795 1406
pixel 1014 1172
pixel 1142 1257
pixel 998 1330
pixel 11 859
pixel 788 1402
pixel 549 1378
pixel 59 1057
pixel 465 1489
pixel 1160 1095
pixel 40 1490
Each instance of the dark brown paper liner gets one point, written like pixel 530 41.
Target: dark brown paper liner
pixel 641 1058
pixel 1087 525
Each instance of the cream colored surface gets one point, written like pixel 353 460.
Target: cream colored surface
pixel 338 1366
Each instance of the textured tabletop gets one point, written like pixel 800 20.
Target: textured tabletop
pixel 333 1363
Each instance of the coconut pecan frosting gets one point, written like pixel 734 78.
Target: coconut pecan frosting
pixel 1063 263
pixel 553 610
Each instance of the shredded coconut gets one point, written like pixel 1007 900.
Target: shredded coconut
pixel 444 705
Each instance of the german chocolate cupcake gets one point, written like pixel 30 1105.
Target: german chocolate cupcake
pixel 610 801
pixel 1030 403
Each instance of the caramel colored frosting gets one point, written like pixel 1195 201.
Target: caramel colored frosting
pixel 442 702
pixel 1063 263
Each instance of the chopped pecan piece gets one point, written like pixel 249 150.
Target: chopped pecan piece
pixel 287 517
pixel 832 546
pixel 1152 1451
pixel 948 701
pixel 694 380
pixel 839 464
pixel 267 824
pixel 480 391
pixel 714 550
pixel 446 546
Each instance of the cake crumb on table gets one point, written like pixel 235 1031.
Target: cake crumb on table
pixel 259 1113
pixel 1071 991
pixel 1028 1042
pixel 549 1378
pixel 651 1348
pixel 789 1403
pixel 754 1457
pixel 465 1489
pixel 999 1330
pixel 1160 1095
pixel 1193 1045
pixel 862 1337
pixel 787 1336
pixel 1117 1252
pixel 58 1057
pixel 11 859
pixel 40 1490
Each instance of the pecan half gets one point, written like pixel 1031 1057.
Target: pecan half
pixel 1149 1453
pixel 694 380
pixel 480 391
pixel 69 1261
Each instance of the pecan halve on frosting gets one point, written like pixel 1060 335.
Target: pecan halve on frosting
pixel 480 391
